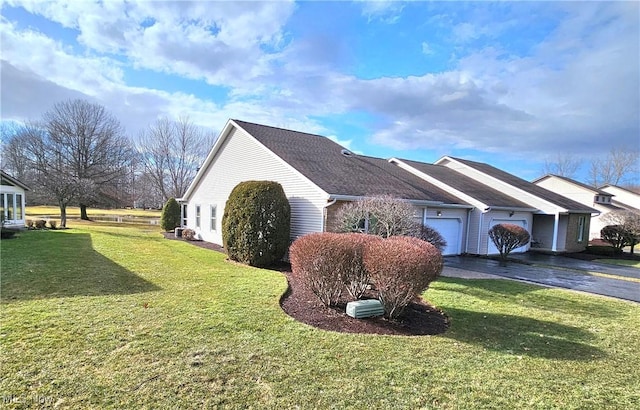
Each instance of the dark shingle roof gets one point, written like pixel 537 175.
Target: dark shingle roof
pixel 322 161
pixel 527 186
pixel 469 186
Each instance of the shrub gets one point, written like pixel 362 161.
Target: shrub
pixel 328 263
pixel 508 237
pixel 30 224
pixel 256 223
pixel 401 268
pixel 170 217
pixel 428 234
pixel 41 224
pixel 189 234
pixel 617 236
pixel 384 216
pixel 53 224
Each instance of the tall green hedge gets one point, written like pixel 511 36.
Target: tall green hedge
pixel 256 223
pixel 170 218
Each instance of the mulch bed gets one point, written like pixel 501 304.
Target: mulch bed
pixel 418 319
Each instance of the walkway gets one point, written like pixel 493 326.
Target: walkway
pixel 556 271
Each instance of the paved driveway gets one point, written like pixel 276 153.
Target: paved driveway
pixel 558 271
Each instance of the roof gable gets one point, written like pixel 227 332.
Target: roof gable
pixel 573 182
pixel 523 185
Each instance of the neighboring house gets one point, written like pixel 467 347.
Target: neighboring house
pixel 587 195
pixel 319 176
pixel 12 201
pixel 623 197
pixel 490 206
pixel 558 224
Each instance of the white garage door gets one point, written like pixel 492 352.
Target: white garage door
pixel 451 230
pixel 492 248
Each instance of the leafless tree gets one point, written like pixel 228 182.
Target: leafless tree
pixel 507 237
pixel 91 145
pixel 617 166
pixel 171 153
pixel 562 165
pixel 14 158
pixel 629 225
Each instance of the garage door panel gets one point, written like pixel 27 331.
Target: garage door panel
pixel 451 231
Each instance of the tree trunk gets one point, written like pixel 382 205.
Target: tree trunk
pixel 83 213
pixel 63 215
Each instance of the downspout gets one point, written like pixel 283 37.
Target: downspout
pixel 554 246
pixel 324 213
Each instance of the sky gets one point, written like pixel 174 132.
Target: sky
pixel 512 84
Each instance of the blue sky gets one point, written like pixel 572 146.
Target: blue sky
pixel 513 84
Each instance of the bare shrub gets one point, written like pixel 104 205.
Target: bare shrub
pixel 384 216
pixel 330 262
pixel 30 224
pixel 508 237
pixel 189 234
pixel 53 224
pixel 41 224
pixel 432 236
pixel 401 268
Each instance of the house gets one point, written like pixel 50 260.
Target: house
pixel 623 198
pixel 460 199
pixel 599 199
pixel 317 175
pixel 12 201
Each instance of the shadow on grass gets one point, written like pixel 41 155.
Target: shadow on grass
pixel 45 264
pixel 521 336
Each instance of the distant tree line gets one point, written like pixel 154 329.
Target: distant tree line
pixel 78 153
pixel 618 167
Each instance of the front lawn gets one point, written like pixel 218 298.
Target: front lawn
pixel 99 316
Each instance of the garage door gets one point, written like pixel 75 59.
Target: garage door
pixel 492 248
pixel 451 230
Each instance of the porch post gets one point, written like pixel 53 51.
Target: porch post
pixel 556 226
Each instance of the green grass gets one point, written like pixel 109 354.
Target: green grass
pixel 624 262
pixel 118 317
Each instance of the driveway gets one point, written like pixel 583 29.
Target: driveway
pixel 557 271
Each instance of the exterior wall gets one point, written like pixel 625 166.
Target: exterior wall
pixel 242 158
pixel 572 241
pixel 571 191
pixel 542 233
pixel 13 206
pixel 472 242
pixel 624 197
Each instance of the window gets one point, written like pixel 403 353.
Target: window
pixel 184 214
pixel 214 217
pixel 197 216
pixel 581 228
pixel 18 206
pixel 10 207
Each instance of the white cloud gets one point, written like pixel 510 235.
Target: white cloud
pixel 426 48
